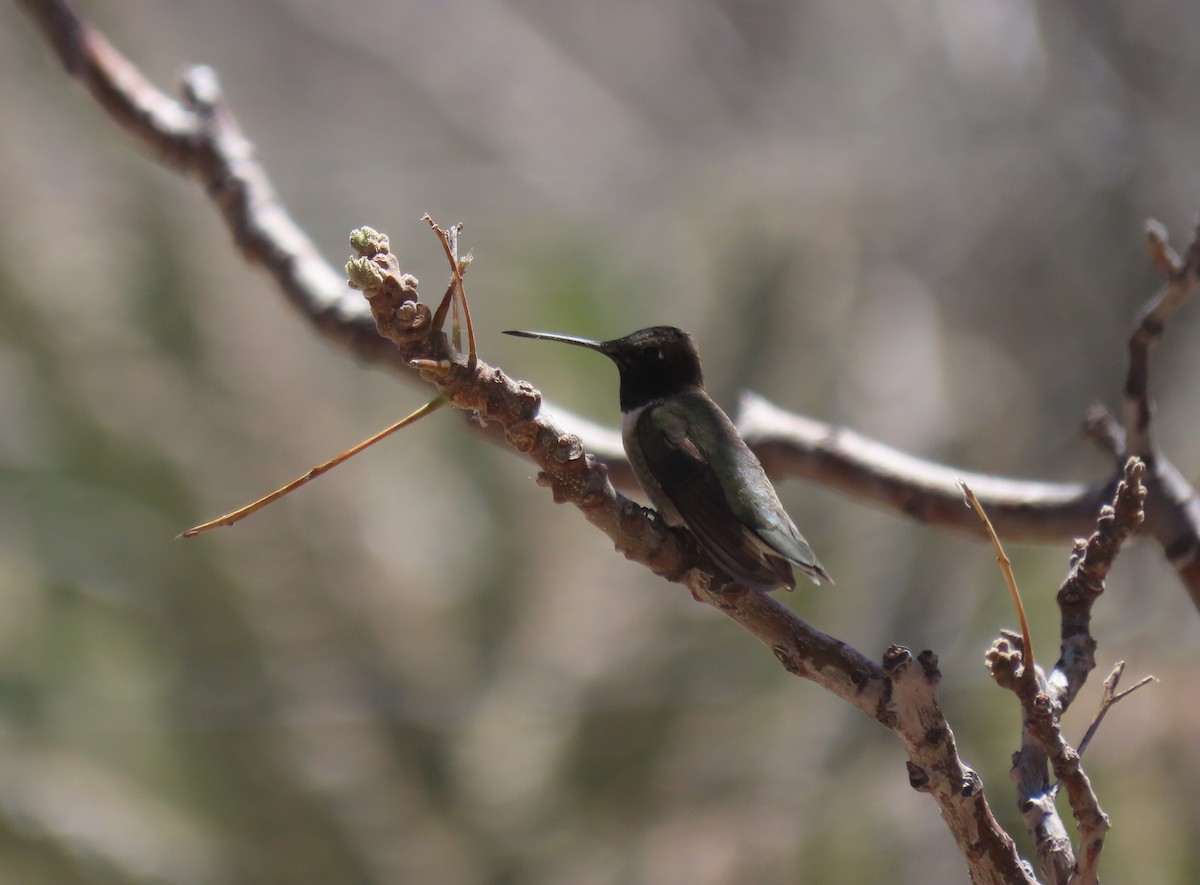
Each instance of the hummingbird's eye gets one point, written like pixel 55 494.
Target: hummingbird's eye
pixel 656 354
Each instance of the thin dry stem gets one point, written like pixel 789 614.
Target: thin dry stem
pixel 241 513
pixel 1030 666
pixel 449 240
pixel 1110 697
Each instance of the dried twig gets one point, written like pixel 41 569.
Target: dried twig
pixel 458 266
pixel 1109 698
pixel 241 513
pixel 1029 667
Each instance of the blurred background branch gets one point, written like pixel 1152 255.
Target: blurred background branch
pixel 875 199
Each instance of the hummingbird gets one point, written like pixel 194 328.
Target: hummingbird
pixel 693 465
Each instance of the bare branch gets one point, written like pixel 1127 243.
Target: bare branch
pixel 1042 721
pixel 1158 247
pixel 1044 701
pixel 197 135
pixel 1173 518
pixel 892 694
pixel 1109 698
pixel 869 471
pixel 1090 564
pixel 1181 276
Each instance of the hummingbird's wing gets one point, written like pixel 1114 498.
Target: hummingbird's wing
pixel 721 492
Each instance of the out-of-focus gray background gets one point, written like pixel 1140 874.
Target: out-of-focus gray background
pixel 920 220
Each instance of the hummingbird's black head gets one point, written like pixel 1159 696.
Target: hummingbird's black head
pixel 654 363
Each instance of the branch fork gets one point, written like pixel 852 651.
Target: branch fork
pixel 1044 697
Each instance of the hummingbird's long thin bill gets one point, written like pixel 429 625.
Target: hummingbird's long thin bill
pixel 565 339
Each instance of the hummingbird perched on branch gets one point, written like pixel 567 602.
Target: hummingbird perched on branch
pixel 693 465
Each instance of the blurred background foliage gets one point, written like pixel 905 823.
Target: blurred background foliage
pixel 919 220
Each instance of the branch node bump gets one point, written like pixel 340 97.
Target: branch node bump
pixel 929 665
pixel 918 778
pixel 1004 661
pixel 896 659
pixel 972 783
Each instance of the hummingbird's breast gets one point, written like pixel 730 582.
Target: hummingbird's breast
pixel 641 470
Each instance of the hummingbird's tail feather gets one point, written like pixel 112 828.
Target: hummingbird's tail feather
pixel 816 572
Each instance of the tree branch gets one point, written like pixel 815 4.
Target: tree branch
pixel 1148 327
pixel 894 694
pixel 1046 698
pixel 198 135
pixel 1173 517
pixel 1110 697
